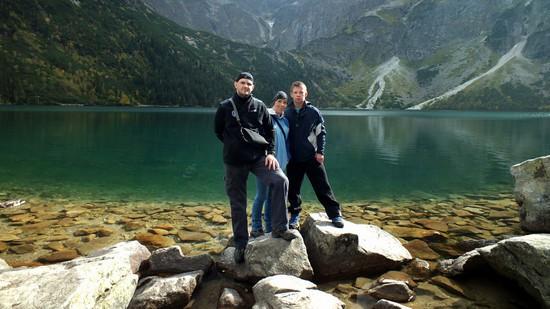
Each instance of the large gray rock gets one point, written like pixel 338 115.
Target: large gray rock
pixel 468 262
pixel 532 192
pixel 350 251
pixel 525 259
pixel 172 260
pixel 104 280
pixel 170 292
pixel 392 290
pixel 284 291
pixel 266 256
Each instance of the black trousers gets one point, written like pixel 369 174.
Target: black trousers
pixel 318 178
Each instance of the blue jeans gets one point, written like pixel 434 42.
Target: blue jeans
pixel 261 199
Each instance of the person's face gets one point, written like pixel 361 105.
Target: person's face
pixel 279 106
pixel 299 94
pixel 244 87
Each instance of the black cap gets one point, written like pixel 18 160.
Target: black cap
pixel 280 95
pixel 244 75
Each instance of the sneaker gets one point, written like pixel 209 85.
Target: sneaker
pixel 294 222
pixel 238 255
pixel 338 222
pixel 286 234
pixel 257 233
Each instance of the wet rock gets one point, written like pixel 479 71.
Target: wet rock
pixel 437 225
pixel 448 284
pixel 159 232
pixel 22 218
pixel 284 291
pixel 420 249
pixel 8 237
pixel 362 283
pixel 56 246
pixel 92 245
pixel 99 231
pixel 172 260
pixel 3 246
pixel 411 233
pixel 469 262
pixel 447 249
pixel 59 256
pixel 168 292
pixel 387 304
pixel 103 281
pixel 418 269
pixel 22 249
pixel 133 225
pixel 154 240
pixel 345 288
pixel 230 299
pixel 397 276
pixel 266 256
pixel 194 236
pixel 352 250
pixel 525 260
pixel 164 226
pixel 392 290
pixel 532 193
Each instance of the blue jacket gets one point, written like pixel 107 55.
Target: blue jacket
pixel 307 132
pixel 280 124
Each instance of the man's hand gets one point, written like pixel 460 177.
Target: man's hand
pixel 271 162
pixel 320 158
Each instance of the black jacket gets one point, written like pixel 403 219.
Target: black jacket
pixel 254 115
pixel 307 132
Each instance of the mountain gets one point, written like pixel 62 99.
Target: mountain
pixel 437 54
pixel 122 52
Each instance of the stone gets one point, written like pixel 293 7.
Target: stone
pixel 4 265
pixel 106 280
pixel 398 276
pixel 154 240
pixel 362 282
pixel 22 249
pixel 168 292
pixel 410 233
pixel 433 224
pixel 418 269
pixel 352 250
pixel 194 236
pixel 266 256
pixel 524 259
pixel 92 244
pixel 420 249
pixel 218 219
pixel 469 262
pixel 133 225
pixel 8 237
pixel 159 232
pixel 392 290
pixel 172 260
pixel 59 256
pixel 3 246
pixel 532 193
pixel 448 284
pixel 56 246
pixel 388 304
pixel 230 299
pixel 283 291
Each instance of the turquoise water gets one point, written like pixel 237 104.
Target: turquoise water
pixel 172 154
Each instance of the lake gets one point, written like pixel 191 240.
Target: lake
pixel 172 154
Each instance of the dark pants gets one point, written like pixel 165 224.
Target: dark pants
pixel 235 186
pixel 319 181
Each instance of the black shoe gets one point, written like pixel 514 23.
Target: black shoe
pixel 338 221
pixel 286 235
pixel 238 255
pixel 256 234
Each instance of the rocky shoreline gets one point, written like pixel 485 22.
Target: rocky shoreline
pixel 430 271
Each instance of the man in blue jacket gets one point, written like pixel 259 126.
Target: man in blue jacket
pixel 241 157
pixel 307 146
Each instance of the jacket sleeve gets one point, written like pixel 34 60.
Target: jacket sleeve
pixel 269 132
pixel 219 122
pixel 321 134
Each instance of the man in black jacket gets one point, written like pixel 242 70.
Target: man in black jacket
pixel 241 157
pixel 307 156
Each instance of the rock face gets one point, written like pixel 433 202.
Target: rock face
pixel 525 259
pixel 105 279
pixel 353 250
pixel 284 291
pixel 532 192
pixel 266 256
pixel 172 260
pixel 170 292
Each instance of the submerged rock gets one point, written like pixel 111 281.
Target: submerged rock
pixel 532 193
pixel 284 291
pixel 350 251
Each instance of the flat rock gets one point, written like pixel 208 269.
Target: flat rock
pixel 172 260
pixel 154 240
pixel 194 236
pixel 59 256
pixel 420 249
pixel 448 284
pixel 350 251
pixel 410 233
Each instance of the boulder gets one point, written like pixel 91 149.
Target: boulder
pixel 172 260
pixel 284 291
pixel 386 304
pixel 266 256
pixel 525 259
pixel 169 292
pixel 105 279
pixel 393 290
pixel 532 193
pixel 468 262
pixel 350 251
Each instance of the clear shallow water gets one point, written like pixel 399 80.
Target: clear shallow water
pixel 172 154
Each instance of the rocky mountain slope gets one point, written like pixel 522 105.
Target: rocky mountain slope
pixel 415 54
